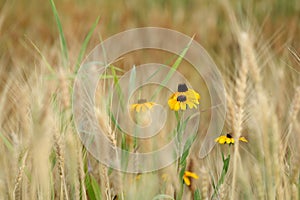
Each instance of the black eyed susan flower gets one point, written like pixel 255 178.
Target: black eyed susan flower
pixel 182 98
pixel 228 139
pixel 142 105
pixel 187 175
pixel 141 112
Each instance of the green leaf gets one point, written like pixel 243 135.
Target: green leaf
pixel 132 80
pixel 197 195
pixel 181 173
pixel 93 188
pixel 118 87
pixel 63 43
pixel 85 43
pixel 223 174
pixel 105 76
pixel 172 70
pixel 7 143
pixel 224 170
pixel 187 147
pixel 43 57
pixel 113 119
pixel 125 153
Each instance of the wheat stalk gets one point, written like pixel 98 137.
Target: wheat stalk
pixel 18 183
pixel 64 88
pixel 104 175
pixel 204 182
pixel 59 154
pixel 240 90
pixel 81 170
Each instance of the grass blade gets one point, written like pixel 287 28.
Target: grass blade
pixel 132 79
pixel 172 70
pixel 85 43
pixel 7 143
pixel 197 195
pixel 93 188
pixel 42 56
pixel 63 43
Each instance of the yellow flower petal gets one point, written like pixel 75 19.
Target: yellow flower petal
pixel 191 174
pixel 228 140
pixel 197 95
pixel 133 106
pixel 193 96
pixel 176 106
pixel 182 106
pixel 149 105
pixel 187 181
pixel 138 107
pixel 142 105
pixel 243 139
pixel 191 105
pixel 222 139
pixel 172 102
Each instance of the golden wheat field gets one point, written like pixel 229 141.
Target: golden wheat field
pixel 256 153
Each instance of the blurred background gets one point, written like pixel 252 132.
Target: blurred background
pixel 275 22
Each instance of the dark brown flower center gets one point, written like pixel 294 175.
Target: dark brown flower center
pixel 182 88
pixel 228 135
pixel 181 98
pixel 140 101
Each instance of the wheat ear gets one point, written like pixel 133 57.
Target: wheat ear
pixel 240 90
pixel 18 184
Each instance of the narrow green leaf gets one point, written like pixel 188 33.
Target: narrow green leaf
pixel 181 173
pixel 43 57
pixel 125 153
pixel 197 195
pixel 224 170
pixel 118 87
pixel 96 188
pixel 113 119
pixel 172 70
pixel 89 188
pixel 7 143
pixel 132 79
pixel 92 187
pixel 63 43
pixel 187 147
pixel 105 76
pixel 85 43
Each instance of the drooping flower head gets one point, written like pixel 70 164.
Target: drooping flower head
pixel 187 175
pixel 141 112
pixel 183 98
pixel 142 105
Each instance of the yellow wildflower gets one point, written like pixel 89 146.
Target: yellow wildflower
pixel 228 139
pixel 187 175
pixel 182 98
pixel 142 105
